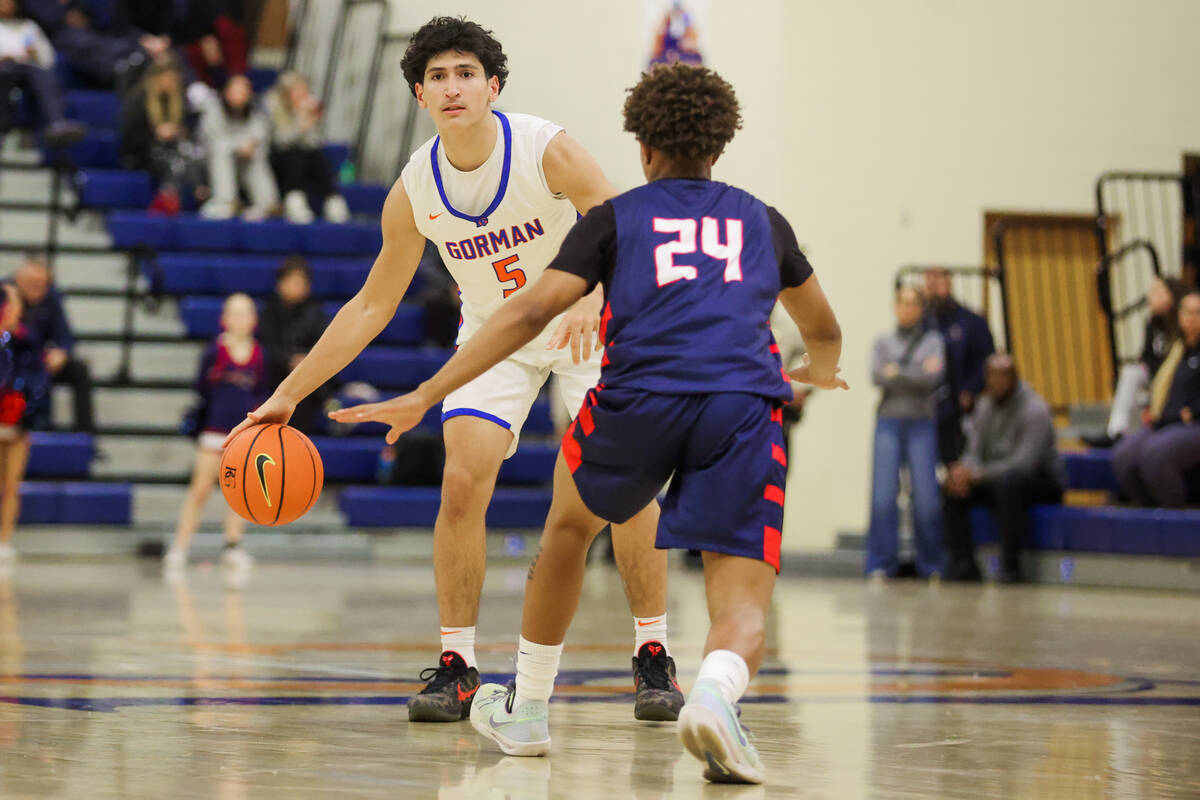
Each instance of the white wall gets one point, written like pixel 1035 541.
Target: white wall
pixel 882 129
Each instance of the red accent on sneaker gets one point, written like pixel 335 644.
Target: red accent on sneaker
pixel 654 649
pixel 465 695
pixel 447 657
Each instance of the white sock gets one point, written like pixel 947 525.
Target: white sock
pixel 537 665
pixel 650 629
pixel 461 641
pixel 728 670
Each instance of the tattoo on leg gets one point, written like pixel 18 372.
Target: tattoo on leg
pixel 536 556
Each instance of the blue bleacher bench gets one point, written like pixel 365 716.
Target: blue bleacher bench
pixel 190 232
pixel 356 459
pixel 225 273
pixel 100 111
pixel 1132 531
pixel 60 455
pixel 50 503
pixel 395 367
pixel 417 507
pixel 113 188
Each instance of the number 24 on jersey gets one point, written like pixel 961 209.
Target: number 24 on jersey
pixel 685 229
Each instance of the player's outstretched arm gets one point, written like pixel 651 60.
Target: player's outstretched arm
pixel 808 307
pixel 513 326
pixel 360 320
pixel 571 170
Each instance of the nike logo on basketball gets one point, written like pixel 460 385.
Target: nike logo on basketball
pixel 435 216
pixel 260 462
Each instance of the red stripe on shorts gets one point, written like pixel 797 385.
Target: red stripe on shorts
pixel 571 450
pixel 772 539
pixel 777 416
pixel 774 348
pixel 586 423
pixel 778 454
pixel 774 494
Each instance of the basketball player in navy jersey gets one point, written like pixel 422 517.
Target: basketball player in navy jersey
pixel 691 386
pixel 497 193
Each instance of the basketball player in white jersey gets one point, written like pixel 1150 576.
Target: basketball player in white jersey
pixel 497 194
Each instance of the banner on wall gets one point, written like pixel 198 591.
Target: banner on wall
pixel 675 30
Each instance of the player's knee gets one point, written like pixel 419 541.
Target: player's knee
pixel 463 490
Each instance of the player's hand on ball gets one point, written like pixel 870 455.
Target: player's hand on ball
pixel 579 328
pixel 804 374
pixel 276 409
pixel 401 413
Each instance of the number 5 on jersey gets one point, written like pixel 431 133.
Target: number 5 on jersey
pixel 504 274
pixel 730 252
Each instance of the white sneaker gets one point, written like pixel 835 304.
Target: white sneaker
pixel 235 558
pixel 711 731
pixel 335 209
pixel 216 209
pixel 520 731
pixel 8 554
pixel 296 209
pixel 174 559
pixel 255 213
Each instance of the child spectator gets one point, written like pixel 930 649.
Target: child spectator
pixel 24 390
pixel 27 61
pixel 155 138
pixel 232 381
pixel 292 322
pixel 237 137
pixel 300 165
pixel 907 364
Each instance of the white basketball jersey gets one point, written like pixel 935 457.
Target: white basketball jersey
pixel 497 226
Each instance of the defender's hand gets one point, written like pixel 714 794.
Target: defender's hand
pixel 579 325
pixel 402 413
pixel 276 409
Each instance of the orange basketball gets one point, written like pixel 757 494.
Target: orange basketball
pixel 271 474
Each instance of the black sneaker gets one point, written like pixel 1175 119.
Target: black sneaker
pixel 657 694
pixel 447 696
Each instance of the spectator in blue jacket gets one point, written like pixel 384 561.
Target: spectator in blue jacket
pixel 968 345
pixel 47 322
pixel 97 39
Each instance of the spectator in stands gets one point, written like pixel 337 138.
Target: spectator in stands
pixel 1011 463
pixel 213 38
pixel 968 345
pixel 907 364
pixel 1151 463
pixel 237 137
pixel 155 138
pixel 300 165
pixel 98 39
pixel 27 61
pixel 1133 383
pixel 231 382
pixel 292 322
pixel 23 393
pixel 47 323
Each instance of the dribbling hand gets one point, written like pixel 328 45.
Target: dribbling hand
pixel 276 409
pixel 401 414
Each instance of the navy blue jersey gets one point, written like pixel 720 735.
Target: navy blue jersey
pixel 691 270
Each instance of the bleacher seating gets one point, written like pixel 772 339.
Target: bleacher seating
pixel 1132 531
pixel 355 460
pixel 48 503
pixel 60 455
pixel 133 229
pixel 417 507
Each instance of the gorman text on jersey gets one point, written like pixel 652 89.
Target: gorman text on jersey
pixel 495 242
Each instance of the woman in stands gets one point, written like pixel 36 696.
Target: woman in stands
pixel 1133 384
pixel 24 391
pixel 238 139
pixel 300 166
pixel 232 381
pixel 155 138
pixel 1153 464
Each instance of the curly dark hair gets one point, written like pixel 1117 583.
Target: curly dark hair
pixel 452 33
pixel 689 113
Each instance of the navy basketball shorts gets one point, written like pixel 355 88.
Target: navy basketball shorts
pixel 723 454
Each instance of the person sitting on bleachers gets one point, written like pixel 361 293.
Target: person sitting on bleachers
pixel 97 39
pixel 1151 464
pixel 238 139
pixel 213 39
pixel 47 323
pixel 1010 464
pixel 300 165
pixel 155 138
pixel 27 61
pixel 291 322
pixel 1133 383
pixel 24 392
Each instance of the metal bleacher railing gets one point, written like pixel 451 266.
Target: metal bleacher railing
pixel 1141 226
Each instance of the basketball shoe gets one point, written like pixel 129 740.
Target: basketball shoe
pixel 520 731
pixel 657 694
pixel 448 694
pixel 711 731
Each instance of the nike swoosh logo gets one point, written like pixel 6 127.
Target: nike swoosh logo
pixel 435 216
pixel 651 622
pixel 260 463
pixel 466 695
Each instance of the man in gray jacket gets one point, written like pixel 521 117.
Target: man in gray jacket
pixel 1011 463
